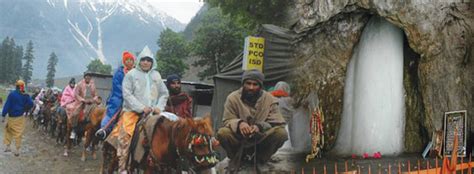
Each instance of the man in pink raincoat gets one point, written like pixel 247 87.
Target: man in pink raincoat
pixel 85 98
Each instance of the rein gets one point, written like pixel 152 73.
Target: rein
pixel 192 138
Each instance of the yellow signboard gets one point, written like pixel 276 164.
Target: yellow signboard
pixel 253 53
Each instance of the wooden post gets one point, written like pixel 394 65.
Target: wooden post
pixel 427 166
pixel 470 167
pixel 409 166
pixel 345 166
pixel 399 168
pixel 358 169
pixel 325 172
pixel 389 169
pixel 314 170
pixel 369 170
pixel 419 166
pixel 436 168
pixel 335 168
pixel 302 170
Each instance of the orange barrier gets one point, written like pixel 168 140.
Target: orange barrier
pixel 449 168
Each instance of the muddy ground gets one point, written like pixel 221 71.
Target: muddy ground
pixel 40 154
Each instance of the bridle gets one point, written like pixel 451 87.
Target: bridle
pixel 186 155
pixel 198 139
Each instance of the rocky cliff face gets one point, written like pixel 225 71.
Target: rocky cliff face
pixel 439 55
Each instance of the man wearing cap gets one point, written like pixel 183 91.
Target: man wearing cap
pixel 251 118
pixel 85 97
pixel 16 105
pixel 144 93
pixel 114 103
pixel 179 102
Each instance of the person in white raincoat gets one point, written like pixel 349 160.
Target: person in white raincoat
pixel 144 92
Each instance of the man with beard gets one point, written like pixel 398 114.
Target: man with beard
pixel 253 125
pixel 179 102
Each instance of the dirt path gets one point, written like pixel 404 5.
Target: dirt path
pixel 40 154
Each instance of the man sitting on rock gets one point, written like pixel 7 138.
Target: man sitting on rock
pixel 251 118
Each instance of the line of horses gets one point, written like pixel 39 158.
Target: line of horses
pixel 52 119
pixel 183 145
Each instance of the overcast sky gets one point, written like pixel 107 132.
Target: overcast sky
pixel 182 10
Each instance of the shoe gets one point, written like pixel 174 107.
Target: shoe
pixel 250 157
pixel 17 153
pixel 73 135
pixel 7 149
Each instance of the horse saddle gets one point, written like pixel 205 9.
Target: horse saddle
pixel 144 133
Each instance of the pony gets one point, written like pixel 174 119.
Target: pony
pixel 46 115
pixel 61 122
pixel 91 127
pixel 47 109
pixel 174 146
pixel 81 125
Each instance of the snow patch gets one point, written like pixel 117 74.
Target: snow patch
pixel 50 2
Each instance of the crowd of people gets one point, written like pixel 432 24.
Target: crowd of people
pixel 253 128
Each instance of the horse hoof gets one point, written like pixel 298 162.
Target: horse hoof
pixel 65 154
pixel 83 158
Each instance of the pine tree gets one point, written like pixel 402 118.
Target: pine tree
pixel 52 61
pixel 17 63
pixel 4 59
pixel 27 70
pixel 10 61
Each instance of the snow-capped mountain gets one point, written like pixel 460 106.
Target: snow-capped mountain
pixel 81 30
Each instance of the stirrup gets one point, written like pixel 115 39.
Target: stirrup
pixel 73 135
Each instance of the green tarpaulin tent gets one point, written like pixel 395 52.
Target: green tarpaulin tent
pixel 278 63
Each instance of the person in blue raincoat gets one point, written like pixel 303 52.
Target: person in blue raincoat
pixel 114 103
pixel 17 104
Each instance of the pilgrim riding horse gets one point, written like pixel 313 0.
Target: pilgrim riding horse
pixel 169 147
pixel 83 120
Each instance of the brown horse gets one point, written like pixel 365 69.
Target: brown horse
pixel 81 127
pixel 61 122
pixel 175 146
pixel 92 126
